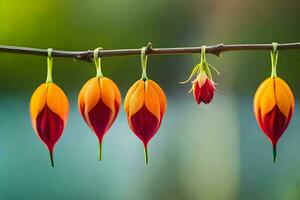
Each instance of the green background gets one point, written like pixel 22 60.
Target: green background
pixel 200 152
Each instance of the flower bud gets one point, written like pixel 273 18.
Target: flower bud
pixel 273 108
pixel 203 88
pixel 49 110
pixel 145 104
pixel 99 104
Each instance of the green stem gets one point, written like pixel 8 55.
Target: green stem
pixel 51 159
pixel 144 59
pixel 274 58
pixel 97 61
pixel 203 63
pixel 202 54
pixel 146 155
pixel 49 67
pixel 100 150
pixel 274 153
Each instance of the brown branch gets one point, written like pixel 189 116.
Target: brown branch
pixel 88 55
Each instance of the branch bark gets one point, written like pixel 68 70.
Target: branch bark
pixel 88 55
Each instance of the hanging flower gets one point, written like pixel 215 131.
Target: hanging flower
pixel 273 105
pixel 145 104
pixel 99 103
pixel 203 86
pixel 49 110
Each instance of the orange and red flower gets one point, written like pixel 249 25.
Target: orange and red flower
pixel 99 104
pixel 273 107
pixel 145 104
pixel 49 110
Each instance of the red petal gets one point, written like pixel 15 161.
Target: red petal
pixel 274 123
pixel 207 92
pixel 144 124
pixel 196 92
pixel 49 127
pixel 102 118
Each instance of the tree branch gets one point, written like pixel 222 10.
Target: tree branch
pixel 88 55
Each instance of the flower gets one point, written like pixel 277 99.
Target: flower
pixel 49 110
pixel 273 107
pixel 145 104
pixel 99 104
pixel 203 88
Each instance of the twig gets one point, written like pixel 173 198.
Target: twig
pixel 87 55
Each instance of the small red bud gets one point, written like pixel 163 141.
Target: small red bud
pixel 203 89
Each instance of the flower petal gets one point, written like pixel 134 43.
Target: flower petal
pixel 144 124
pixel 282 89
pixel 196 92
pixel 38 100
pixel 107 93
pixel 100 118
pixel 161 95
pixel 274 123
pixel 57 101
pixel 137 99
pixel 282 101
pixel 129 94
pixel 152 100
pixel 81 97
pixel 92 94
pixel 268 100
pixel 207 92
pixel 259 94
pixel 49 127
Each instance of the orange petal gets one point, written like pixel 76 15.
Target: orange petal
pixel 81 96
pixel 129 94
pixel 57 101
pixel 137 99
pixel 116 91
pixel 284 88
pixel 38 100
pixel 107 93
pixel 259 93
pixel 152 100
pixel 161 95
pixel 92 94
pixel 268 100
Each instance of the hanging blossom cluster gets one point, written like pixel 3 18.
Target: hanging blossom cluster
pixel 99 103
pixel 145 103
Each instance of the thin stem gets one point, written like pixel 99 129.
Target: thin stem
pixel 88 55
pixel 274 59
pixel 202 54
pixel 97 61
pixel 100 150
pixel 144 59
pixel 203 63
pixel 274 153
pixel 146 155
pixel 49 78
pixel 51 159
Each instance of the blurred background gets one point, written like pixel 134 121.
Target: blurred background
pixel 200 152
